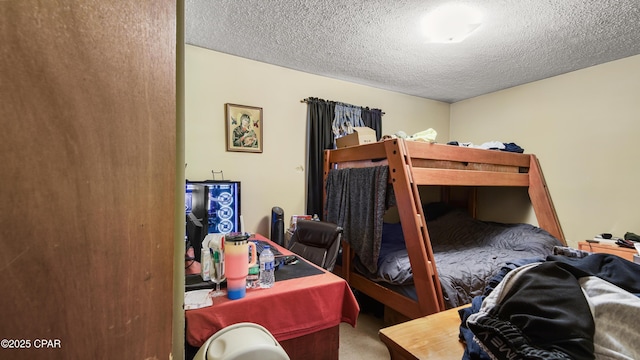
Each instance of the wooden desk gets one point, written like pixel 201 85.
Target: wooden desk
pixel 433 337
pixel 624 253
pixel 303 314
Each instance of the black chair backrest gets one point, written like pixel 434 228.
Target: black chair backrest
pixel 317 241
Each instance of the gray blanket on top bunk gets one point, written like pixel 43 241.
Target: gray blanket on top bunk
pixel 356 201
pixel 468 253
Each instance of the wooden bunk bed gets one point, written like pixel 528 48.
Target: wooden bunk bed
pixel 412 164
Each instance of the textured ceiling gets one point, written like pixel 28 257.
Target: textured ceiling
pixel 378 42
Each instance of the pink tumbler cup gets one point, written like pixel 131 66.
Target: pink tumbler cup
pixel 236 258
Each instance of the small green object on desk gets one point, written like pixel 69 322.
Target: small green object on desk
pixel 631 236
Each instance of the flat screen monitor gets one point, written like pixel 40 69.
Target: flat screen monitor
pixel 216 202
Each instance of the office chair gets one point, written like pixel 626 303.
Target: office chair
pixel 317 241
pixel 242 341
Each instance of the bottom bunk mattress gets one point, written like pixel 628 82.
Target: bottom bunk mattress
pixel 468 253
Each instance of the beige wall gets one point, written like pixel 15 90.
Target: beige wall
pixel 584 127
pixel 276 177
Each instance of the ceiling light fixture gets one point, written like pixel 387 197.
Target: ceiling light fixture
pixel 450 23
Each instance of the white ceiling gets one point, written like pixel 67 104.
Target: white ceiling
pixel 378 42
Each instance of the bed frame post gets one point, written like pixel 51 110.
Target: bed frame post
pixel 541 201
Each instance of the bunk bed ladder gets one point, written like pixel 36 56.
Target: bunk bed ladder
pixel 425 274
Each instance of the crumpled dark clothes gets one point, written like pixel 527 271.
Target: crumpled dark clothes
pixel 513 147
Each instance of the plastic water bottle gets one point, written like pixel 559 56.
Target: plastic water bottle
pixel 267 268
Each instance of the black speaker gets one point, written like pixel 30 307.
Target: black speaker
pixel 277 225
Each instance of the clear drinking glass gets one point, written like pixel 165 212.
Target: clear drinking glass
pixel 217 272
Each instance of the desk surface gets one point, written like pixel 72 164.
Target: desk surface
pixel 430 337
pixel 291 308
pixel 624 253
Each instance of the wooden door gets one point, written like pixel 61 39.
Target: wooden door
pixel 87 178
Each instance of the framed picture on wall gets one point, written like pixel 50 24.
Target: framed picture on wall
pixel 243 128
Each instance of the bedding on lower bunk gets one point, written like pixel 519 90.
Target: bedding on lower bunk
pixel 561 308
pixel 468 252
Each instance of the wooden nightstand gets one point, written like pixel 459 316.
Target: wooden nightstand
pixel 432 337
pixel 624 253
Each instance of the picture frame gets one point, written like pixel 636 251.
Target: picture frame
pixel 243 126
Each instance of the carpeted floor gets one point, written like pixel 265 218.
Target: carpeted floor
pixel 362 342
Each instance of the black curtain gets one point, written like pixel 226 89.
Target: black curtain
pixel 320 115
pixel 320 137
pixel 373 118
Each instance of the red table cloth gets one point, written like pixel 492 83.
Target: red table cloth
pixel 291 308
